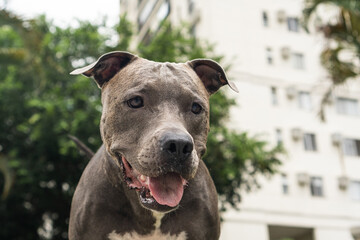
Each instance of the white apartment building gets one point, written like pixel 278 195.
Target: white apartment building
pixel 275 65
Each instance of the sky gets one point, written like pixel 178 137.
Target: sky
pixel 65 12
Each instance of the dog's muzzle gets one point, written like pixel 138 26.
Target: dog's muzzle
pixel 160 185
pixel 162 193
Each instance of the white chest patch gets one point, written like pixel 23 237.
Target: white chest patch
pixel 155 235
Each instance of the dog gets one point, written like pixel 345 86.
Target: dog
pixel 147 180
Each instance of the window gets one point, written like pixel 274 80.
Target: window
pixel 269 57
pixel 351 147
pixel 191 4
pixel 309 142
pixel 193 30
pixel 298 61
pixel 293 24
pixel 274 98
pixel 163 11
pixel 278 232
pixel 347 106
pixel 279 140
pixel 354 190
pixel 284 184
pixel 304 99
pixel 316 186
pixel 265 19
pixel 145 13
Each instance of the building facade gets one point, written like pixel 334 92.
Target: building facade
pixel 275 65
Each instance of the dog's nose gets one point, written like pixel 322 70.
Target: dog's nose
pixel 176 145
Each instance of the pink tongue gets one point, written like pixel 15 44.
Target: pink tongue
pixel 167 189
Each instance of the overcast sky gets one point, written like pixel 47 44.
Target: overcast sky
pixel 65 12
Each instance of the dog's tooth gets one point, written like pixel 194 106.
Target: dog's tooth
pixel 142 178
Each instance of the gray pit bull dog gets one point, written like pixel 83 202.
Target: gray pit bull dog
pixel 148 181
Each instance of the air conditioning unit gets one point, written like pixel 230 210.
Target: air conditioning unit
pixel 296 134
pixel 281 16
pixel 285 53
pixel 291 92
pixel 343 182
pixel 336 139
pixel 303 179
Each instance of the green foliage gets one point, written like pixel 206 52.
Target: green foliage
pixel 345 33
pixel 235 161
pixel 40 104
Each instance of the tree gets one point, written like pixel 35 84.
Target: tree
pixel 41 104
pixel 343 38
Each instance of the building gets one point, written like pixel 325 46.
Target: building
pixel 276 67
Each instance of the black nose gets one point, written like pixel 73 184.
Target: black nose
pixel 177 145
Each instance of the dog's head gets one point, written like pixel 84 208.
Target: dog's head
pixel 155 120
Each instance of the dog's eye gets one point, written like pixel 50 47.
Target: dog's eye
pixel 196 108
pixel 136 102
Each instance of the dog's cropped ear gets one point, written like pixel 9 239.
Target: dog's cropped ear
pixel 211 74
pixel 106 66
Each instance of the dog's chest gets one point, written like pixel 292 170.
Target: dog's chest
pixel 155 235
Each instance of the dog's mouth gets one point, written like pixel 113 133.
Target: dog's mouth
pixel 162 193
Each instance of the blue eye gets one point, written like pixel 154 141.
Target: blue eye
pixel 136 102
pixel 196 108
